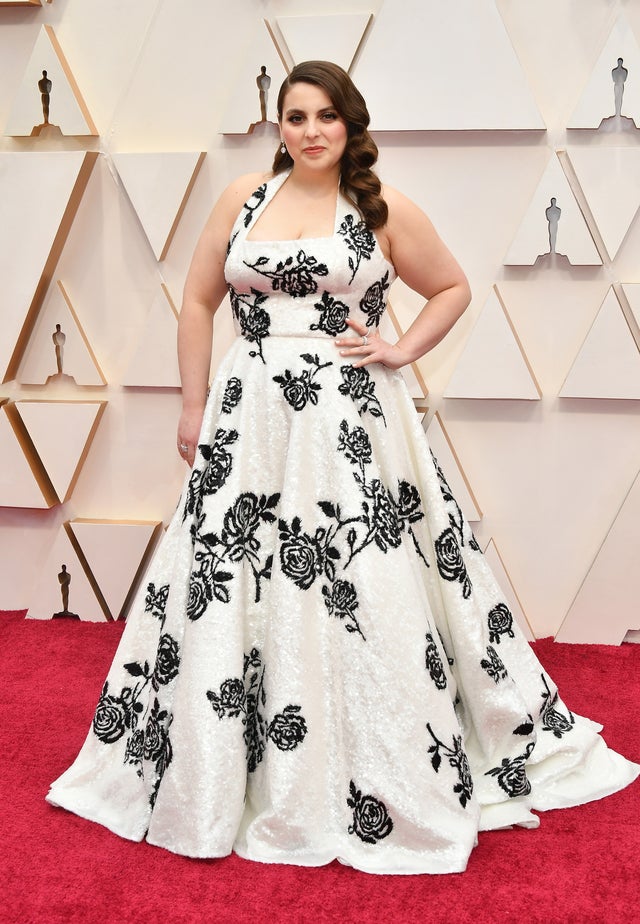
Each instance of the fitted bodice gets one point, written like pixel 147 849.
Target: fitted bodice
pixel 305 287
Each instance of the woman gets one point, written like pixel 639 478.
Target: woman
pixel 320 664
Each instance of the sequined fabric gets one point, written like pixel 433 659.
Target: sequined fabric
pixel 319 663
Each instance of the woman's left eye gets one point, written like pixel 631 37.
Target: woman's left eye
pixel 330 116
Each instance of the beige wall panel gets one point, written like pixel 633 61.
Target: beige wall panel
pixel 158 185
pixel 61 432
pixel 610 180
pixel 451 51
pixel 603 609
pixel 495 562
pixel 46 187
pixel 493 364
pixel 18 484
pixel 116 553
pixel 597 101
pixel 242 113
pixel 67 109
pixel 632 293
pixel 331 37
pixel 608 364
pixel 573 239
pixel 444 451
pixel 46 349
pixel 155 361
pixel 45 597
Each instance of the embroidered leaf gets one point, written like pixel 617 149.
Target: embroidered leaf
pixel 328 509
pixel 135 669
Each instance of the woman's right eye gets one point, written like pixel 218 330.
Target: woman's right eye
pixel 295 119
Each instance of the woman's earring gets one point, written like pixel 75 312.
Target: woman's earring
pixel 283 147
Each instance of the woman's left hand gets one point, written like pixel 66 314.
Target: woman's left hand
pixel 369 347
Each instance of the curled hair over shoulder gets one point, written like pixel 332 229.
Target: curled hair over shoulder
pixel 358 182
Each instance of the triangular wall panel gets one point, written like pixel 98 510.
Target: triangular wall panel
pixel 608 364
pixel 495 562
pixel 632 293
pixel 116 553
pixel 606 604
pixel 67 109
pixel 46 349
pixel 47 187
pixel 324 38
pixel 610 181
pixel 443 449
pixel 493 363
pixel 159 185
pixel 62 432
pixel 572 238
pixel 416 46
pixel 19 486
pixel 243 112
pixel 598 99
pixel 155 361
pixel 47 597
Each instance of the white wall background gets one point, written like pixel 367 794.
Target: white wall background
pixel 550 476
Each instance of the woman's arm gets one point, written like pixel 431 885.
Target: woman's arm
pixel 204 290
pixel 424 263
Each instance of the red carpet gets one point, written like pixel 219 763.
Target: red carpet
pixel 582 865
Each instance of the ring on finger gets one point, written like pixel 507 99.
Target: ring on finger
pixel 183 448
pixel 365 340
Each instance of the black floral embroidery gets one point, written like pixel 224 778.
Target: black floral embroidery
pixel 232 395
pixel 552 719
pixel 246 699
pixel 500 622
pixel 300 390
pixel 434 664
pixel 303 557
pixel 112 717
pixel 374 301
pixel 333 315
pixel 355 444
pixel 208 480
pixel 456 518
pixel 450 561
pixel 371 820
pixel 457 760
pixel 167 662
pixel 493 665
pixel 253 203
pixel 360 387
pixel 237 543
pixel 156 600
pixel 253 320
pixel 359 240
pixel 341 601
pixel 525 728
pixel 512 774
pixel 292 277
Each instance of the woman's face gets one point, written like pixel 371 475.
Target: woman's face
pixel 313 131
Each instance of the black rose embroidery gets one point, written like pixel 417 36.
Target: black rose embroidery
pixel 371 820
pixel 341 601
pixel 409 504
pixel 374 301
pixel 512 775
pixel 134 751
pixel 167 661
pixel 254 202
pixel 359 240
pixel 500 622
pixel 300 390
pixel 450 562
pixel 552 719
pixel 355 444
pixel 155 601
pixel 300 556
pixel 254 321
pixel 287 729
pixel 294 277
pixel 360 387
pixel 198 599
pixel 493 665
pixel 241 522
pixel 208 480
pixel 232 695
pixel 110 719
pixel 457 760
pixel 232 395
pixel 333 315
pixel 384 516
pixel 434 663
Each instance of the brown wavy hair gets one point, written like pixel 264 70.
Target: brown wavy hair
pixel 358 182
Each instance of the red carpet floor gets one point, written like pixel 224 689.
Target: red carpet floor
pixel 582 865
